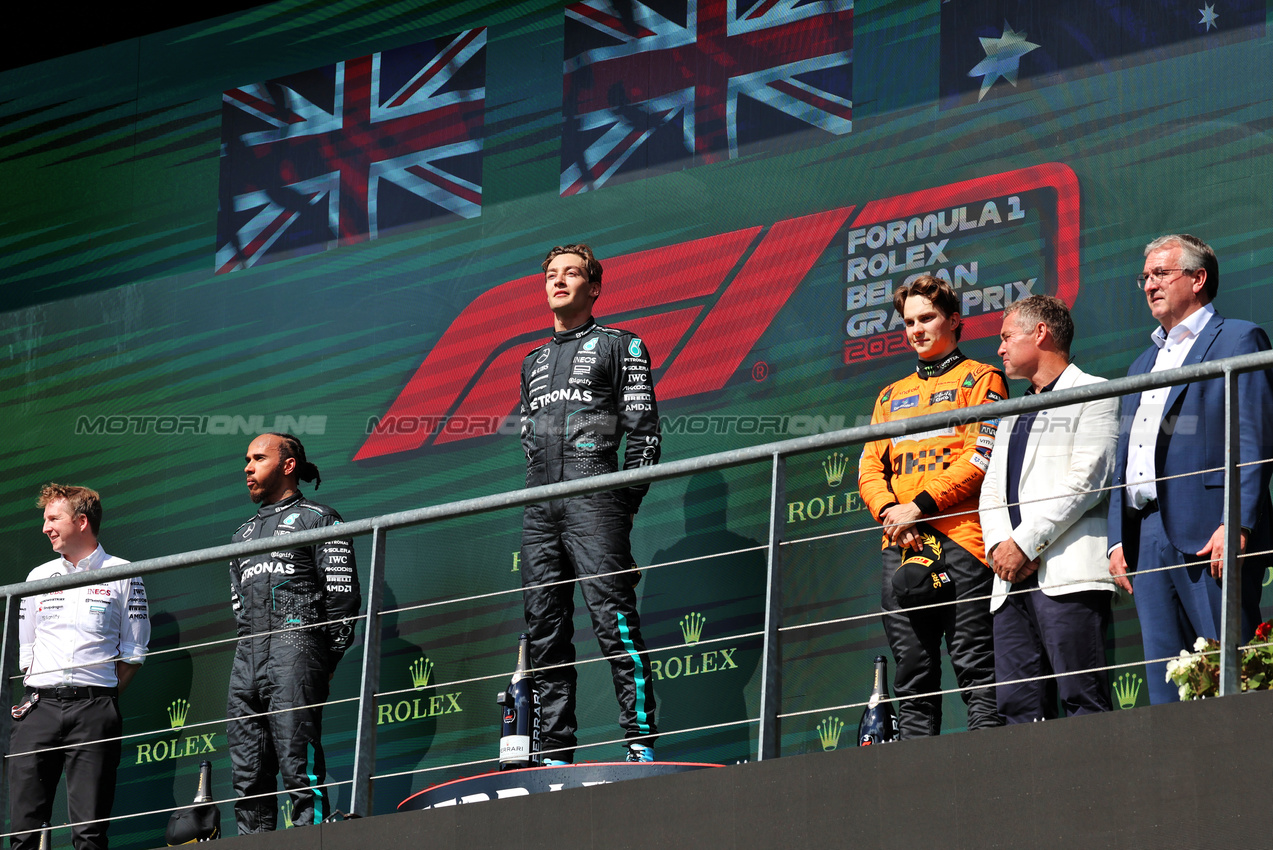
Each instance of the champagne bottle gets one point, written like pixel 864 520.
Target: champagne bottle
pixel 519 729
pixel 46 837
pixel 204 792
pixel 879 721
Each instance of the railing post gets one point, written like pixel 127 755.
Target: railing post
pixel 1231 582
pixel 8 664
pixel 365 741
pixel 768 745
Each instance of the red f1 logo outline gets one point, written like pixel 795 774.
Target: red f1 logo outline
pixel 471 374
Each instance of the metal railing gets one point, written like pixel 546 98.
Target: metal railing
pixel 775 454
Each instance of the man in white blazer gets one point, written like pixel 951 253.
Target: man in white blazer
pixel 1044 519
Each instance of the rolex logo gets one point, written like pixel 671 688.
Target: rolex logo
pixel 829 733
pixel 1127 689
pixel 286 811
pixel 421 672
pixel 692 627
pixel 177 713
pixel 833 468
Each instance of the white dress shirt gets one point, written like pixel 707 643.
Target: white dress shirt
pixel 74 637
pixel 1173 348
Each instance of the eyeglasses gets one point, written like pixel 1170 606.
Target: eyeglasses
pixel 1159 275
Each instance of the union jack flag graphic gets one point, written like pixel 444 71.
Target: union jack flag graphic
pixel 344 153
pixel 660 86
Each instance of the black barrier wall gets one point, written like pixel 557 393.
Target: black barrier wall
pixel 1189 775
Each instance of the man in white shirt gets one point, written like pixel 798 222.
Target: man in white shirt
pixel 1168 498
pixel 77 649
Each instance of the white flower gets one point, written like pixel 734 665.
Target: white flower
pixel 1184 692
pixel 1198 646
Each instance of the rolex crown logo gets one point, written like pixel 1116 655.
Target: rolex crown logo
pixel 178 710
pixel 829 732
pixel 692 626
pixel 834 467
pixel 286 811
pixel 1127 689
pixel 421 672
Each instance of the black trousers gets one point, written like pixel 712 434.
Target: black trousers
pixel 90 768
pixel 1038 635
pixel 584 536
pixel 915 637
pixel 290 678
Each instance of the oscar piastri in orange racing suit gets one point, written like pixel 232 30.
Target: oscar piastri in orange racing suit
pixel 941 472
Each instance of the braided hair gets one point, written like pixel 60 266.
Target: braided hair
pixel 290 446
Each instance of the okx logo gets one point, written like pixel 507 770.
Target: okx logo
pixel 421 707
pixel 468 383
pixel 829 730
pixel 694 663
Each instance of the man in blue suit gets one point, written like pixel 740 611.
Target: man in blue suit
pixel 1179 430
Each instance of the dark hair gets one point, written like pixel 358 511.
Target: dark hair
pixel 591 265
pixel 1194 254
pixel 80 500
pixel 1048 310
pixel 290 446
pixel 936 290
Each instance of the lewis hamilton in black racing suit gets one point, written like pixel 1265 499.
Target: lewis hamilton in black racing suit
pixel 580 393
pixel 284 673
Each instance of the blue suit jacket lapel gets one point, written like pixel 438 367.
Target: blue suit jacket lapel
pixel 1197 354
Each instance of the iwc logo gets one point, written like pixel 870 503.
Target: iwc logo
pixel 694 663
pixel 829 730
pixel 421 707
pixel 198 744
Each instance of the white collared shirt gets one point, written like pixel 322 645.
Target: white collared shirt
pixel 1173 347
pixel 74 637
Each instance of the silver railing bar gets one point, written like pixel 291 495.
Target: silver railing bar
pixel 663 471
